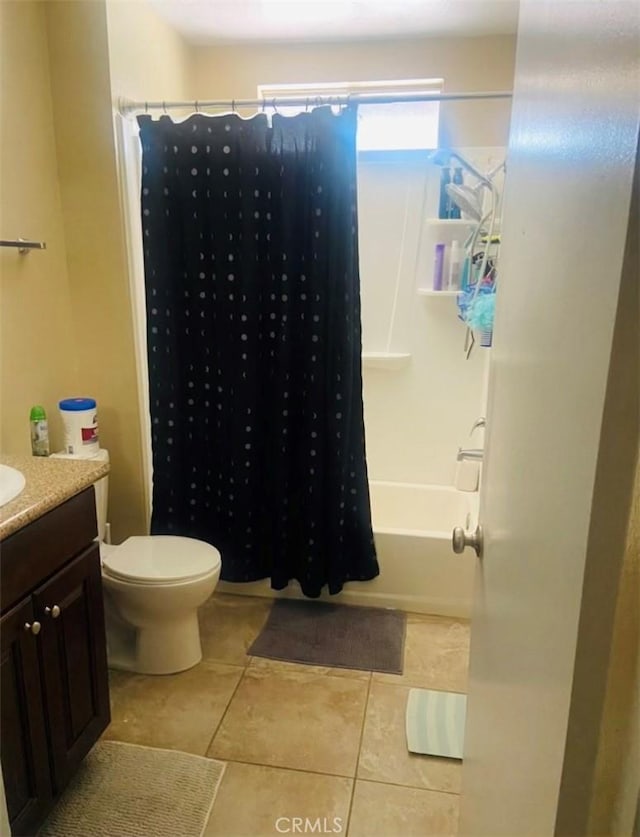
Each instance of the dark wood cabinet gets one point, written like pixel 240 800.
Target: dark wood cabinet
pixel 54 686
pixel 25 759
pixel 73 662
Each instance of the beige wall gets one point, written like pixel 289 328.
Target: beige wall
pixel 99 52
pixel 148 59
pixel 65 314
pixel 39 362
pixel 466 64
pixel 96 256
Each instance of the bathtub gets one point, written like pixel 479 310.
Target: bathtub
pixel 419 571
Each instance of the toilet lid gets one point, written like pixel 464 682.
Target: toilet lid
pixel 157 559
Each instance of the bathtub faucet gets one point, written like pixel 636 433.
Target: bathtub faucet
pixel 472 454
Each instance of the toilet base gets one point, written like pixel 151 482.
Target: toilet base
pixel 159 650
pixel 170 647
pixel 161 645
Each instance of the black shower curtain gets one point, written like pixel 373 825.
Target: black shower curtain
pixel 253 323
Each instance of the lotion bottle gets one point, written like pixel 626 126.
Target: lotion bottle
pixel 455 266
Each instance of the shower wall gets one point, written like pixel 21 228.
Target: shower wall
pixel 418 409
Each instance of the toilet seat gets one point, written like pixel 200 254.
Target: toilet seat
pixel 160 559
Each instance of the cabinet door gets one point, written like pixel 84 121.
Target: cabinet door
pixel 23 743
pixel 73 661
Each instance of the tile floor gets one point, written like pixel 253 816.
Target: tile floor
pixel 302 741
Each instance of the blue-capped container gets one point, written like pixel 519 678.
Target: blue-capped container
pixel 80 423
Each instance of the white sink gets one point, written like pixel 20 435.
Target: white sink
pixel 11 484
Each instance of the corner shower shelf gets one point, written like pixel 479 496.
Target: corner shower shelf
pixel 428 292
pixel 458 223
pixel 450 222
pixel 385 360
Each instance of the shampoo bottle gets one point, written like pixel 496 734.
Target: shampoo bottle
pixel 39 432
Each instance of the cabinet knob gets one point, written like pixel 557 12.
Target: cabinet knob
pixel 34 627
pixel 53 612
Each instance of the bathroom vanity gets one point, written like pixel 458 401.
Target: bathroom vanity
pixel 53 680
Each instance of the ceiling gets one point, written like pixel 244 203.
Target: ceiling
pixel 233 21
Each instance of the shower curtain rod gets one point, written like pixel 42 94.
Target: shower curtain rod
pixel 126 107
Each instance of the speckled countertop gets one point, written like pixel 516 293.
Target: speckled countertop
pixel 49 482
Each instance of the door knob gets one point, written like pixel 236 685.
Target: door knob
pixel 33 627
pixel 461 539
pixel 53 612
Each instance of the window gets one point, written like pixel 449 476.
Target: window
pixel 398 126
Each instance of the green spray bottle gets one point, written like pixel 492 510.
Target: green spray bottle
pixel 39 432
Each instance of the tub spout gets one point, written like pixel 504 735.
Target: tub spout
pixel 471 454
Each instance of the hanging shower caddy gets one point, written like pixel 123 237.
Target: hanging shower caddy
pixel 475 297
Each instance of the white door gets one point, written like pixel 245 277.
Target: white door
pixel 566 210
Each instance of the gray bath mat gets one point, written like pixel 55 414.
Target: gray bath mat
pixel 316 633
pixel 131 791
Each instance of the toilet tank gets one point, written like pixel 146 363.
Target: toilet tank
pixel 101 488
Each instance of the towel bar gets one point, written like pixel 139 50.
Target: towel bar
pixel 23 245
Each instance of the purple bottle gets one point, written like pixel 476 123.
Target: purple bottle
pixel 438 267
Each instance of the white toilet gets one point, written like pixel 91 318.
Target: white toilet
pixel 153 586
